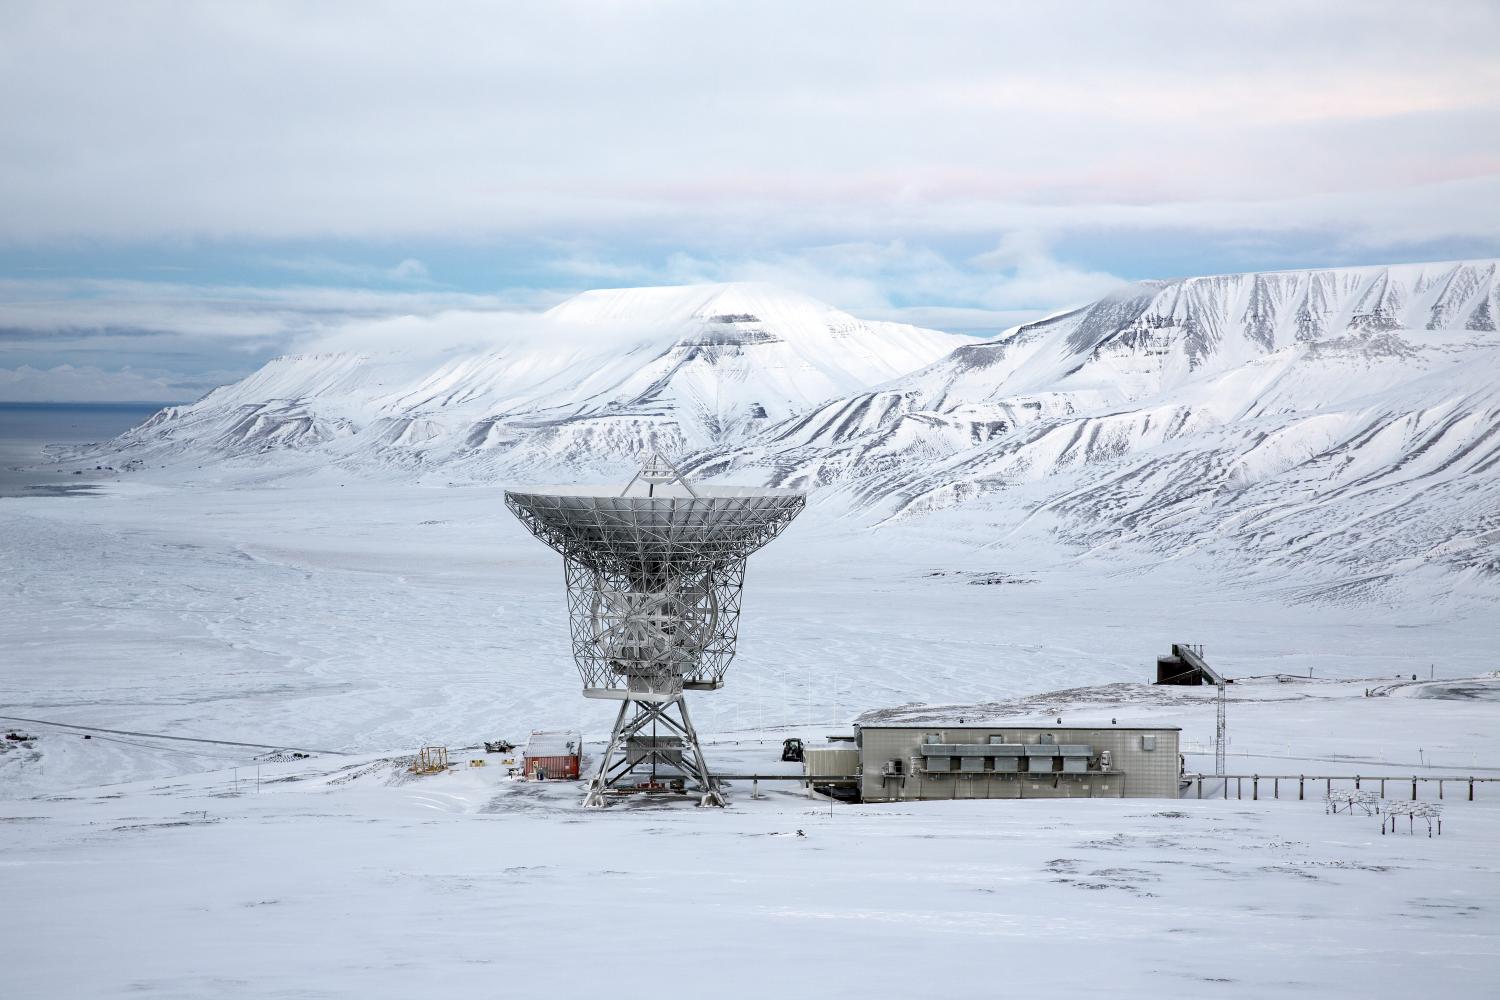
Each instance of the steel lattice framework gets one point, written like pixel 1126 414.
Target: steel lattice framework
pixel 654 580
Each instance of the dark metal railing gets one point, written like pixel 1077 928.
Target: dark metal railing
pixel 1357 780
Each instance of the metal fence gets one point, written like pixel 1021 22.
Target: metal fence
pixel 1324 783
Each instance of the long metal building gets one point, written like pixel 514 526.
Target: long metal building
pixel 1016 761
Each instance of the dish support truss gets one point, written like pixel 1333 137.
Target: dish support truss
pixel 650 636
pixel 627 749
pixel 654 585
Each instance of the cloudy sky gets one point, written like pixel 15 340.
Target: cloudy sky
pixel 188 189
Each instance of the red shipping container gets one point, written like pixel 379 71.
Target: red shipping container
pixel 552 755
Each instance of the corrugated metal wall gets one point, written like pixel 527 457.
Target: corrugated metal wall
pixel 962 762
pixel 830 763
pixel 553 768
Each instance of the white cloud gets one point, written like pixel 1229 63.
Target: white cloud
pixel 130 340
pixel 71 307
pixel 445 332
pixel 69 383
pixel 713 127
pixel 1025 272
pixel 409 271
pixel 1019 279
pixel 857 154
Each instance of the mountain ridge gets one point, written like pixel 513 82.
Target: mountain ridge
pixel 1172 412
pixel 589 385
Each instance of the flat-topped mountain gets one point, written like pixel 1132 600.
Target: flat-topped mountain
pixel 586 388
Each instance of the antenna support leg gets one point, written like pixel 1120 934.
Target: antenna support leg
pixel 627 751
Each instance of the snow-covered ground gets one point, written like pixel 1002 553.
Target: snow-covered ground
pixel 336 614
pixel 334 877
pixel 362 617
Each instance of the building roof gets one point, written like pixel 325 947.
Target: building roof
pixel 553 743
pixel 1008 724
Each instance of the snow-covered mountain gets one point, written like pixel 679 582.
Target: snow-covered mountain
pixel 1344 420
pixel 592 383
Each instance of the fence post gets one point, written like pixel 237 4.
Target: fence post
pixel 1255 788
pixel 1276 787
pixel 1301 781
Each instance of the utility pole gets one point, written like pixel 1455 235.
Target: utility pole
pixel 1220 731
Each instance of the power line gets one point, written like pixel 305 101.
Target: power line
pixel 200 754
pixel 164 736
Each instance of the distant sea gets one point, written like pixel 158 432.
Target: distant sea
pixel 26 428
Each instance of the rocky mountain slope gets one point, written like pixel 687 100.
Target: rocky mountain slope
pixel 1345 420
pixel 600 378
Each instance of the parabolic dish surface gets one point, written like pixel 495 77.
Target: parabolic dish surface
pixel 597 525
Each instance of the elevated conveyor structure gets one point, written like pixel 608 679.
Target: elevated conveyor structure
pixel 1187 665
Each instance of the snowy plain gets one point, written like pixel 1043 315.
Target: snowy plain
pixel 335 614
pixel 334 881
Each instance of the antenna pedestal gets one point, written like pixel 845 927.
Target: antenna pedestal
pixel 636 746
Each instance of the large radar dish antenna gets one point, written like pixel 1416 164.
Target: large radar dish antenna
pixel 654 574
